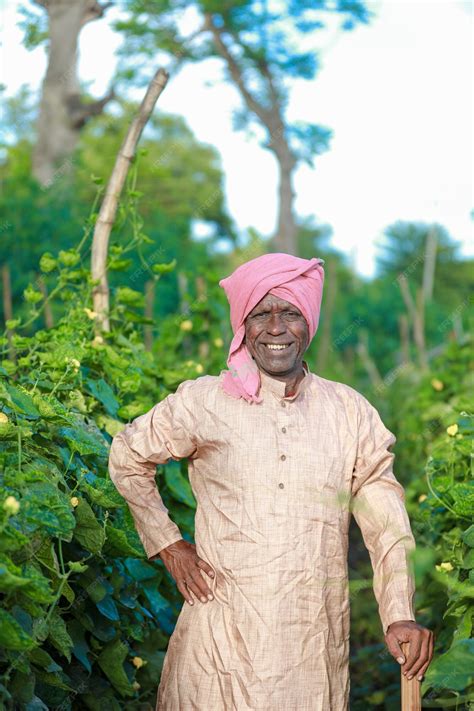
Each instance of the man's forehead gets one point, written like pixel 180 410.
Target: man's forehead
pixel 272 301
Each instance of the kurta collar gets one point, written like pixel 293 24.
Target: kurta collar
pixel 278 387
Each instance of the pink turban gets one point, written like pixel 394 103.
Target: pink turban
pixel 298 281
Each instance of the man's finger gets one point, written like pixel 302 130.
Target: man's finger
pixel 421 672
pixel 181 585
pixel 414 650
pixel 206 567
pixel 422 657
pixel 394 647
pixel 197 584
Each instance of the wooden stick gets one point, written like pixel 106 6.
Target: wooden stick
pixel 410 692
pixel 108 209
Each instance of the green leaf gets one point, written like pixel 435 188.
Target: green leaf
pixel 69 257
pixel 108 608
pixel 22 400
pixel 76 566
pixel 88 532
pixel 164 268
pixel 122 543
pixel 11 539
pixel 59 635
pixel 49 509
pixel 84 442
pixel 454 669
pixel 111 426
pixel 179 485
pixel 463 495
pixel 42 659
pixel 104 394
pixel 48 262
pixel 111 661
pixel 12 636
pixel 31 295
pixel 103 492
pixel 10 576
pixel 81 648
pixel 139 570
pixel 468 536
pixel 129 296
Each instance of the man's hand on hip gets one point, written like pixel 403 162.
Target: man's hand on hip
pixel 185 566
pixel 420 651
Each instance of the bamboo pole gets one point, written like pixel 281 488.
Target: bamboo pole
pixel 108 209
pixel 410 691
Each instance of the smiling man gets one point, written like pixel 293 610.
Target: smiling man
pixel 279 458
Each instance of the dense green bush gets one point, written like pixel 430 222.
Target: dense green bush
pixel 431 414
pixel 85 617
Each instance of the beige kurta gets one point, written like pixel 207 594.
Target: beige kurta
pixel 273 482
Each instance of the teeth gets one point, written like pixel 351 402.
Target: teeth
pixel 275 347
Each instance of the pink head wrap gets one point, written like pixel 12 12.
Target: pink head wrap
pixel 298 281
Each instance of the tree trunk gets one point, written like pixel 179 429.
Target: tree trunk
pixel 108 209
pixel 271 117
pixel 369 364
pixel 429 264
pixel 285 239
pixel 62 113
pixel 404 330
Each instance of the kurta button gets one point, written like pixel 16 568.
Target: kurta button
pixel 282 486
pixel 283 404
pixel 283 429
pixel 283 457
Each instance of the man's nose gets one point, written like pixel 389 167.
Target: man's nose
pixel 275 325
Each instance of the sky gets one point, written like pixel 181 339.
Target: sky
pixel 397 94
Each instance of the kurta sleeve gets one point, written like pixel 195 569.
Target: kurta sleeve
pixel 379 510
pixel 164 432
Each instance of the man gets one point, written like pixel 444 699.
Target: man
pixel 278 459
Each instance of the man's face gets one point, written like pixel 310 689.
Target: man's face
pixel 276 322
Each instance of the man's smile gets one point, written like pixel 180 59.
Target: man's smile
pixel 277 346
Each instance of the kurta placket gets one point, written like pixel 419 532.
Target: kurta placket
pixel 273 482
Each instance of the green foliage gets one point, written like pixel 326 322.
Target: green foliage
pixel 262 51
pixel 80 601
pixel 432 416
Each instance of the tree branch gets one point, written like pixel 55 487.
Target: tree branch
pixel 236 73
pixel 80 113
pixel 94 11
pixel 108 209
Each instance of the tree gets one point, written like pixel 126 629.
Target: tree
pixel 261 51
pixel 63 112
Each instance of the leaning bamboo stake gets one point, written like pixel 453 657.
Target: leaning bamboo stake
pixel 410 692
pixel 108 209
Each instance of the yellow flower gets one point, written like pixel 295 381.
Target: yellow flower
pixel 186 325
pixel 11 505
pixel 437 384
pixel 74 501
pixel 199 368
pixel 218 342
pixel 74 362
pixel 452 430
pixel 98 341
pixel 444 567
pixel 138 662
pixel 3 418
pixel 136 685
pixel 421 498
pixel 91 314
